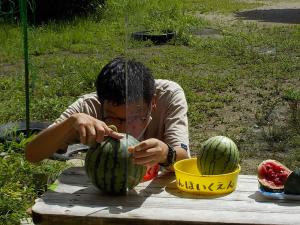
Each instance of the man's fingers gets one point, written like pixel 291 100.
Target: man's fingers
pixel 146 153
pixel 145 161
pixel 110 132
pixel 91 132
pixel 103 130
pixel 146 157
pixel 143 145
pixel 116 135
pixel 131 149
pixel 91 135
pixel 136 148
pixel 100 132
pixel 82 134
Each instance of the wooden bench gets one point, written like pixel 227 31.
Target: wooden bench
pixel 76 201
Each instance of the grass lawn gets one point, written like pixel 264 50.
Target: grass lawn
pixel 243 82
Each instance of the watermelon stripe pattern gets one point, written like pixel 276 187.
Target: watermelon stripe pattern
pixel 217 155
pixel 110 166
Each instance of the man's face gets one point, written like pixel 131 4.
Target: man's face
pixel 131 119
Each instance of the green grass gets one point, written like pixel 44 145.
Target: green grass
pixel 20 181
pixel 239 85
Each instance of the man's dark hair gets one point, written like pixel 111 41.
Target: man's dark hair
pixel 111 82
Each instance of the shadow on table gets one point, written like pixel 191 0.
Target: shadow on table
pixel 258 197
pixel 75 189
pixel 288 16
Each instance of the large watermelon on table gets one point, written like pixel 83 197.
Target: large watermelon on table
pixel 217 155
pixel 110 166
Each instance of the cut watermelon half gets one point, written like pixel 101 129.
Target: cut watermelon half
pixel 272 175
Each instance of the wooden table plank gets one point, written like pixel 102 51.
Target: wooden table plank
pixel 176 203
pixel 75 201
pixel 129 215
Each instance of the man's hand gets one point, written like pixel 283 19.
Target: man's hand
pixel 149 152
pixel 92 130
pixel 79 126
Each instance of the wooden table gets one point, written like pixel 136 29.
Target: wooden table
pixel 76 201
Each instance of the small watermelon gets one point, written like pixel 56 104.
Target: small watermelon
pixel 110 166
pixel 217 155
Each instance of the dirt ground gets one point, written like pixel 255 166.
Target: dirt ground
pixel 272 13
pixel 259 131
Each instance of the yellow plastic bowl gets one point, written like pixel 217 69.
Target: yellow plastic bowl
pixel 189 179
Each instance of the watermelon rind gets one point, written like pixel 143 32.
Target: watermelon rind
pixel 292 184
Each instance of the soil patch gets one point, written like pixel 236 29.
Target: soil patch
pixel 283 13
pixel 287 16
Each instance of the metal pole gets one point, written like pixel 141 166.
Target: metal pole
pixel 23 11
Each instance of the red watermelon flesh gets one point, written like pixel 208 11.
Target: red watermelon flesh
pixel 272 175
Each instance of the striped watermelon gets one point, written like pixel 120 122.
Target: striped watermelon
pixel 110 166
pixel 217 155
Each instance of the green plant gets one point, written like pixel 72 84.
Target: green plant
pixel 19 185
pixel 44 10
pixel 292 95
pixel 293 98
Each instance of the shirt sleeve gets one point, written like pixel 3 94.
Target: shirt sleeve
pixel 88 104
pixel 176 121
pixel 75 107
